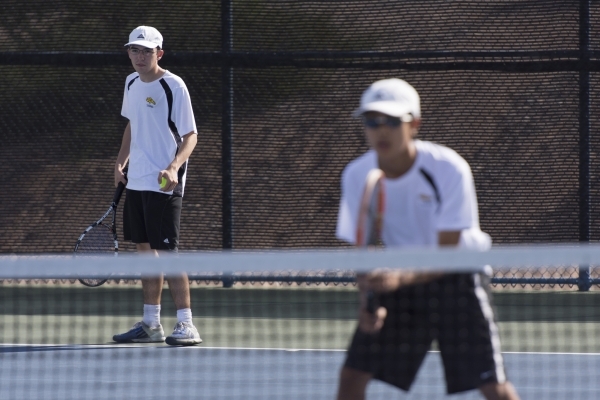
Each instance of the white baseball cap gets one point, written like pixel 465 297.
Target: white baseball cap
pixel 393 97
pixel 145 36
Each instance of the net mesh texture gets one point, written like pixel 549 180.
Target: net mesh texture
pixel 268 337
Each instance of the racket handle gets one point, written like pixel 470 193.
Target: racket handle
pixel 372 305
pixel 118 193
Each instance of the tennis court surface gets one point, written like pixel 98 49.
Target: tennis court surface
pixel 267 338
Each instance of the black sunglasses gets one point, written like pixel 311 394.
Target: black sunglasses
pixel 376 122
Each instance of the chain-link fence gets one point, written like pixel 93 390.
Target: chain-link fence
pixel 508 84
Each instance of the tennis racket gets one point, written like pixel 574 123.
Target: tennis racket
pixel 100 237
pixel 372 207
pixel 370 219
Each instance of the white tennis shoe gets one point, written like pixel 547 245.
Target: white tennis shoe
pixel 141 333
pixel 184 334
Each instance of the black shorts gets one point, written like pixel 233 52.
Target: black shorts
pixel 456 311
pixel 152 217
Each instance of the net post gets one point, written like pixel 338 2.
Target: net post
pixel 584 280
pixel 227 280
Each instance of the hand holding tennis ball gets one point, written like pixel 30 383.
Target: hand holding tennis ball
pixel 167 179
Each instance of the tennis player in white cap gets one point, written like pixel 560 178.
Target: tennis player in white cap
pixel 430 201
pixel 157 142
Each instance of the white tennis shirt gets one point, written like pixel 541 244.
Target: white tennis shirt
pixel 436 194
pixel 160 113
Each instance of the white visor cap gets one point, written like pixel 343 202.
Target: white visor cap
pixel 145 36
pixel 393 97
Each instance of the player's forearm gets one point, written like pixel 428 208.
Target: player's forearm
pixel 185 151
pixel 123 156
pixel 389 280
pixel 382 281
pixel 445 239
pixel 416 278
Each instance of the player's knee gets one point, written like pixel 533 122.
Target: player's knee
pixel 499 391
pixel 143 247
pixel 353 383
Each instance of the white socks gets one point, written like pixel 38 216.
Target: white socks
pixel 184 315
pixel 152 315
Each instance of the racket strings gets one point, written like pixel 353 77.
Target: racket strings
pixel 98 240
pixel 372 206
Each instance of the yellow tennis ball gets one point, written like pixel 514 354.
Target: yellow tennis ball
pixel 163 183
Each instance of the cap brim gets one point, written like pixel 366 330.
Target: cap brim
pixel 391 108
pixel 143 43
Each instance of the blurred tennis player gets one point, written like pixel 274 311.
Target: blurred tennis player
pixel 429 201
pixel 157 142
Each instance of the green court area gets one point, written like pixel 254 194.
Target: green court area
pixel 264 316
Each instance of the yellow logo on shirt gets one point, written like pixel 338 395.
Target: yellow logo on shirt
pixel 150 101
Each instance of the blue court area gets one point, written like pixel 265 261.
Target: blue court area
pixel 55 345
pixel 159 372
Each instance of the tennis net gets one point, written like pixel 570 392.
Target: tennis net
pixel 276 324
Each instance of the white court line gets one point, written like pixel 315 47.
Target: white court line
pixel 74 345
pixel 156 345
pixel 199 347
pixel 265 348
pixel 546 353
pixel 551 353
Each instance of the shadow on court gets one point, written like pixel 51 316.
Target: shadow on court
pixel 249 302
pixel 52 349
pixel 339 304
pixel 253 338
pixel 146 372
pixel 275 317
